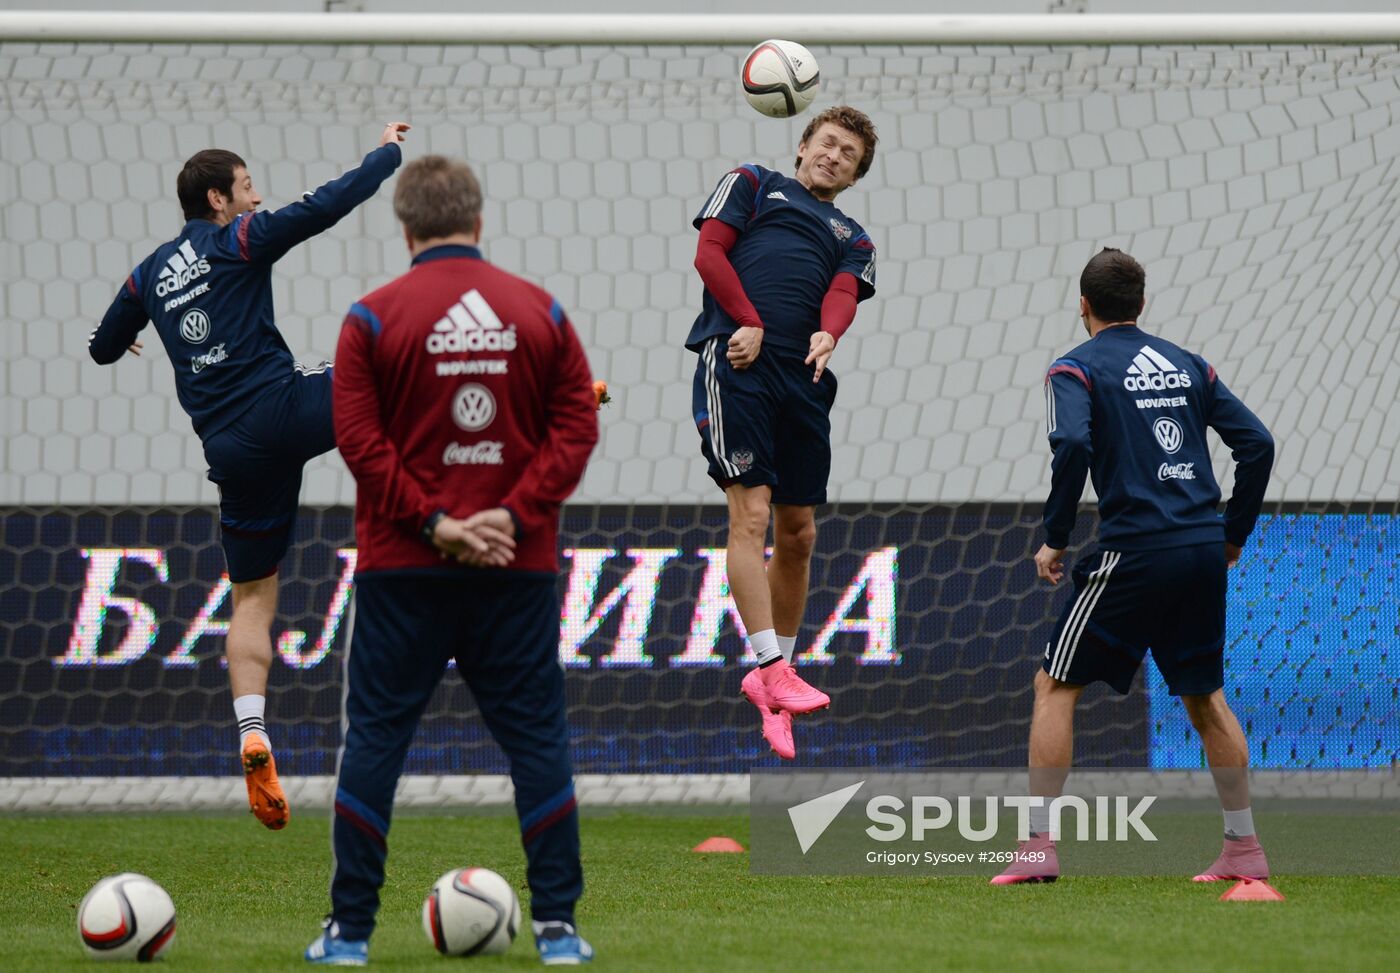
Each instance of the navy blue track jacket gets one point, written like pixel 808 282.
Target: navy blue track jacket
pixel 209 292
pixel 1131 409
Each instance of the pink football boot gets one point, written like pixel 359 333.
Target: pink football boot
pixel 1239 858
pixel 777 724
pixel 788 691
pixel 1036 861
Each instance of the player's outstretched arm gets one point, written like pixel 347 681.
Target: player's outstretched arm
pixel 570 436
pixel 380 474
pixel 266 236
pixel 1068 411
pixel 117 333
pixel 1252 449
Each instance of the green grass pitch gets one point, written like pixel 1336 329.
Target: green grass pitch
pixel 248 899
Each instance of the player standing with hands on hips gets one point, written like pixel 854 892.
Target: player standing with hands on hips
pixel 1131 409
pixel 465 409
pixel 260 415
pixel 783 270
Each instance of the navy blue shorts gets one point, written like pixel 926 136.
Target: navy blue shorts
pixel 256 463
pixel 1126 603
pixel 767 425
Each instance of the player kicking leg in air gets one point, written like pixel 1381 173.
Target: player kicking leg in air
pixel 1158 580
pixel 783 270
pixel 259 414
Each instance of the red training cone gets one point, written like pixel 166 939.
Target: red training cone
pixel 1249 890
pixel 718 843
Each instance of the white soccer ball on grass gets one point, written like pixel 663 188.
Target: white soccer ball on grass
pixel 471 912
pixel 126 917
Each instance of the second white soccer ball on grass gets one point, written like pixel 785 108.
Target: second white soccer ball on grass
pixel 126 917
pixel 471 912
pixel 780 78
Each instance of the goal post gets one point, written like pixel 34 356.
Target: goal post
pixel 1252 163
pixel 665 29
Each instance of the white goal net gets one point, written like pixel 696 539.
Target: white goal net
pixel 1257 185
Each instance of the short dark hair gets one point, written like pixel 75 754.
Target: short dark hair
pixel 437 197
pixel 1113 284
pixel 853 120
pixel 203 171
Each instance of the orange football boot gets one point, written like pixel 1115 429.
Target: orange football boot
pixel 265 797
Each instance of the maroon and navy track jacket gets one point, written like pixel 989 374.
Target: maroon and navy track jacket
pixel 460 387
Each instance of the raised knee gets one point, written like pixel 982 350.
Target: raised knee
pixel 255 602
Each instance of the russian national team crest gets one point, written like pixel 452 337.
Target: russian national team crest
pixel 474 407
pixel 742 459
pixel 842 231
pixel 1168 433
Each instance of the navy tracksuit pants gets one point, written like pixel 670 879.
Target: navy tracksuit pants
pixel 503 630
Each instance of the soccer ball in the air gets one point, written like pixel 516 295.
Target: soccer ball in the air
pixel 126 917
pixel 780 78
pixel 471 912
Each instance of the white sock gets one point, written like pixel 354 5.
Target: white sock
pixel 765 645
pixel 1040 819
pixel 1239 824
pixel 249 710
pixel 787 644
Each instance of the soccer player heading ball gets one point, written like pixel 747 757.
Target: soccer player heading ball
pixel 783 270
pixel 259 414
pixel 1131 409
